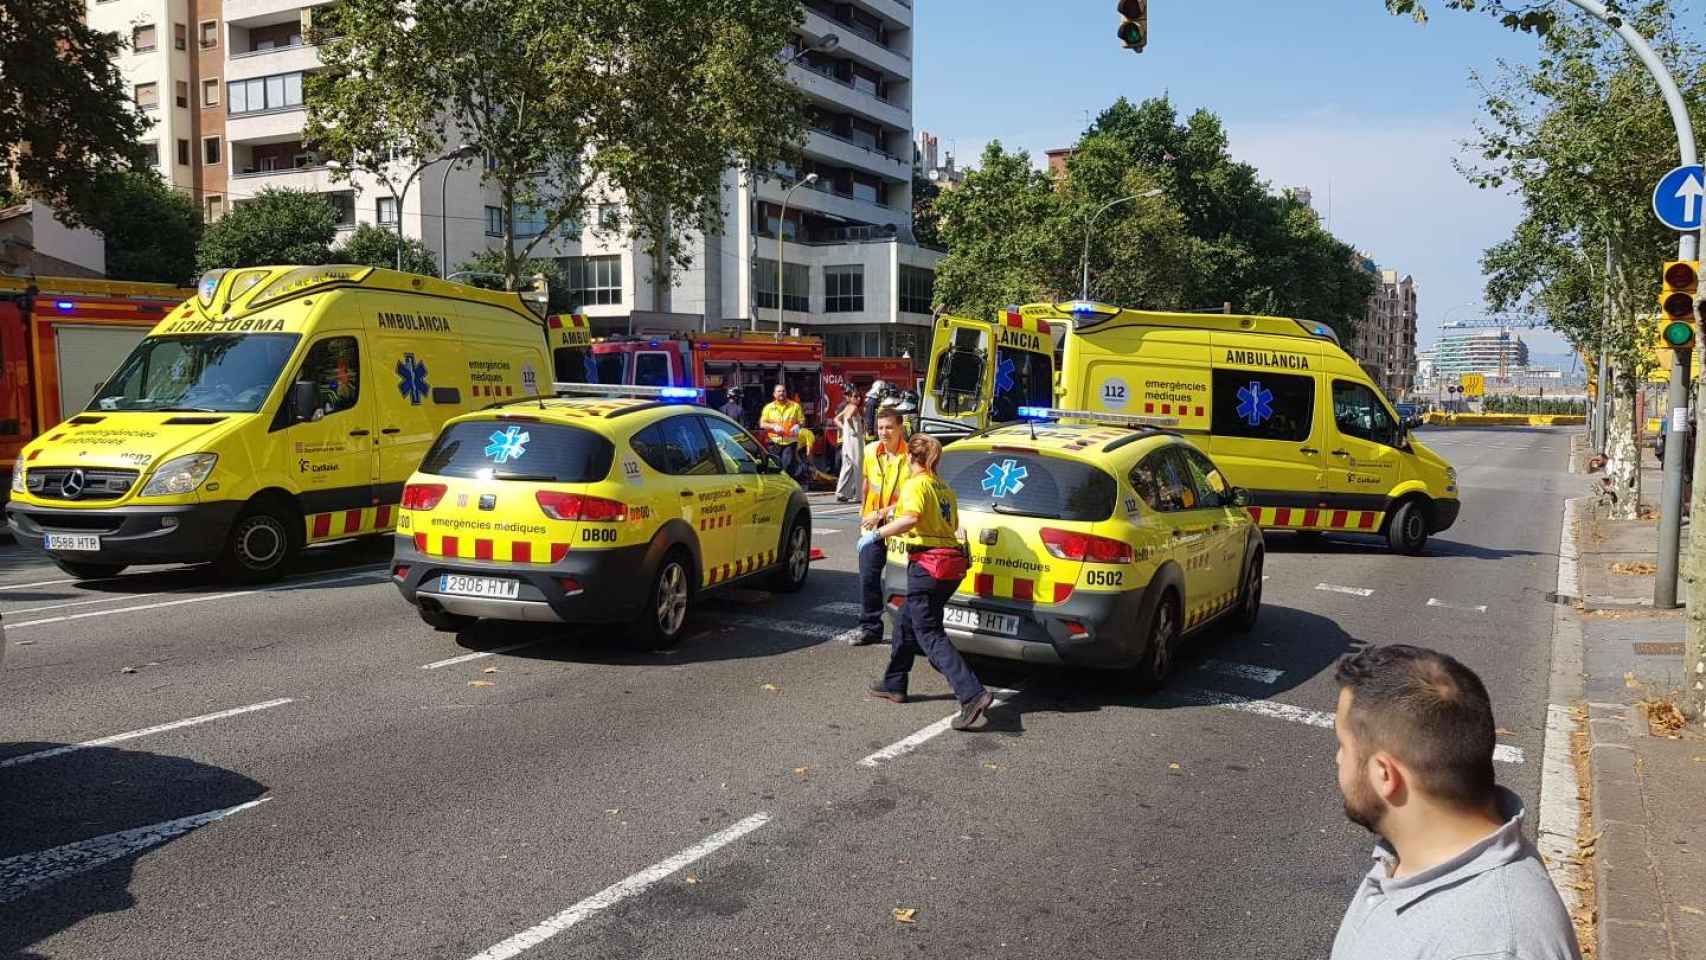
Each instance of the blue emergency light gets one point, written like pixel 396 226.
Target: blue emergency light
pixel 1035 413
pixel 64 305
pixel 678 393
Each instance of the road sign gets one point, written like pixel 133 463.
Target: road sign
pixel 1474 384
pixel 1679 201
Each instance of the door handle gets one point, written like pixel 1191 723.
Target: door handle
pixel 687 493
pixel 1177 532
pixel 1308 450
pixel 740 489
pixel 1341 453
pixel 389 430
pixel 1217 528
pixel 358 433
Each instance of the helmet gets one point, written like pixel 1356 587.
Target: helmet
pixel 879 388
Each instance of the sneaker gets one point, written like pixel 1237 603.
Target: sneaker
pixel 865 640
pixel 970 712
pixel 877 691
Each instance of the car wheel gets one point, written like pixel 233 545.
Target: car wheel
pixel 262 542
pixel 84 570
pixel 1157 661
pixel 1250 598
pixel 1407 530
pixel 664 616
pixel 790 576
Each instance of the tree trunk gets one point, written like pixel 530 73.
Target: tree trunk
pixel 1694 647
pixel 1623 454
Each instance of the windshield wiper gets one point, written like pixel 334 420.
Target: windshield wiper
pixel 526 477
pixel 1017 512
pixel 188 410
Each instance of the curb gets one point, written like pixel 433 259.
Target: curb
pixel 1559 824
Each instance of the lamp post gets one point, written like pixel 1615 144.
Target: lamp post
pixel 402 196
pixel 781 224
pixel 460 153
pixel 1090 223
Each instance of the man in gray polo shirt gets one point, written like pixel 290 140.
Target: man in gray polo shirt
pixel 1454 878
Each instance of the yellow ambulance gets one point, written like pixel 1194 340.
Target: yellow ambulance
pixel 983 371
pixel 279 407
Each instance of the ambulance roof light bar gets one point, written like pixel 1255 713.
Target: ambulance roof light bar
pixel 1096 416
pixel 1087 313
pixel 627 390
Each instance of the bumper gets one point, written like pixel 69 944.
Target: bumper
pixel 1445 514
pixel 614 584
pixel 1096 630
pixel 186 533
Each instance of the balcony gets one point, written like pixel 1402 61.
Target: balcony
pixel 819 199
pixel 269 126
pixel 847 97
pixel 816 26
pixel 898 12
pixel 849 154
pixel 238 11
pixel 301 58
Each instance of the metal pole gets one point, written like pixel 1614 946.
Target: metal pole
pixel 1603 421
pixel 444 221
pixel 1089 223
pixel 781 227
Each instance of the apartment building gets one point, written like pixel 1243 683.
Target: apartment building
pixel 1492 352
pixel 1385 343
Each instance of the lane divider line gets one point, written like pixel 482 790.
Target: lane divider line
pixel 475 656
pixel 144 732
pixel 1242 671
pixel 1353 591
pixel 1294 714
pixel 366 573
pixel 619 891
pixel 1466 608
pixel 906 745
pixel 84 603
pixel 53 583
pixel 26 873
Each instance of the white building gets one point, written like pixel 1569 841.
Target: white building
pixel 1491 352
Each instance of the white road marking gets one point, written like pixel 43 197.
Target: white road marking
pixel 84 603
pixel 26 873
pixel 40 583
pixel 826 531
pixel 1295 714
pixel 145 731
pixel 203 599
pixel 906 745
pixel 1569 575
pixel 475 656
pixel 842 608
pixel 619 891
pixel 805 628
pixel 1467 608
pixel 1353 591
pixel 1242 671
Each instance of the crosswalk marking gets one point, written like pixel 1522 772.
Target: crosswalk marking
pixel 1353 591
pixel 1242 671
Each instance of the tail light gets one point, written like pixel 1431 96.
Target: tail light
pixel 1071 545
pixel 402 572
pixel 575 506
pixel 423 496
pixel 897 600
pixel 571 587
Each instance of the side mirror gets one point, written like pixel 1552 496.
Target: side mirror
pixel 304 399
pixel 1240 497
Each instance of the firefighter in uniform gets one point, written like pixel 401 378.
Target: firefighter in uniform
pixel 781 421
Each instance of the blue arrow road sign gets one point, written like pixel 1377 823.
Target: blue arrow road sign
pixel 1679 200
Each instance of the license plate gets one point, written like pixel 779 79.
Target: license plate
pixel 466 586
pixel 73 541
pixel 983 620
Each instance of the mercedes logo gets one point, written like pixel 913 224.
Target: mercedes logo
pixel 73 485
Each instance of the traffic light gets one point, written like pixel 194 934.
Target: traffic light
pixel 1134 24
pixel 1682 280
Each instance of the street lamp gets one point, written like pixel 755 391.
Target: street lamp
pixel 781 225
pixel 824 44
pixel 1090 222
pixel 403 196
pixel 460 153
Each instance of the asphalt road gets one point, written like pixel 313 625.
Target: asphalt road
pixel 355 785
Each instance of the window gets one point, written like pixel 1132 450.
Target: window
pixel 180 36
pixel 569 229
pixel 209 33
pixel 210 150
pixel 343 204
pixel 796 278
pixel 1212 488
pixel 148 95
pixel 280 92
pixel 1359 413
pixel 739 452
pixel 210 92
pixel 182 88
pixel 142 38
pixel 556 453
pixel 213 208
pixel 220 372
pixel 183 152
pixel 677 446
pixel 1258 405
pixel 595 280
pixel 609 216
pixel 866 191
pixel 1022 379
pixel 917 289
pixel 334 364
pixel 494 222
pixel 529 222
pixel 844 289
pixel 1161 480
pixel 1051 487
pixel 386 210
pixel 651 369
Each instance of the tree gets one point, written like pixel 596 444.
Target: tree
pixel 571 101
pixel 488 272
pixel 377 247
pixel 275 227
pixel 1527 17
pixel 67 118
pixel 151 230
pixel 926 221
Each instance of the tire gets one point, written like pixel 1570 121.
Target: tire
pixel 85 570
pixel 1407 528
pixel 796 559
pixel 1250 598
pixel 447 622
pixel 261 544
pixel 1163 627
pixel 664 617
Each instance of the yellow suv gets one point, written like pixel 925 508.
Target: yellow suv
pixel 1096 540
pixel 595 509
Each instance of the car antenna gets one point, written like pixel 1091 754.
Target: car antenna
pixel 1033 425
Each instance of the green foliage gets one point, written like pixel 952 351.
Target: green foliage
pixel 570 101
pixel 926 221
pixel 377 247
pixel 1502 403
pixel 275 227
pixel 489 273
pixel 151 230
pixel 67 118
pixel 1536 18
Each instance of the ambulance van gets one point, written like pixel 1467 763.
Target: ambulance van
pixel 280 407
pixel 1278 405
pixel 983 371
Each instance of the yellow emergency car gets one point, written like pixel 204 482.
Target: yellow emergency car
pixel 1096 540
pixel 618 506
pixel 278 407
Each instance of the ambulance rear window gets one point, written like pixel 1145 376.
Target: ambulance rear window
pixel 512 450
pixel 1027 485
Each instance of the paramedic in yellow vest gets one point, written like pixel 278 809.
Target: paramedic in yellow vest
pixel 781 422
pixel 885 471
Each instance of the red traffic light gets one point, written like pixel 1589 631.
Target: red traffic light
pixel 1681 275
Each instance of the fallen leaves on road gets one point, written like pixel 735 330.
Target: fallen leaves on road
pixel 1663 718
pixel 490 670
pixel 1502 732
pixel 1174 766
pixel 770 687
pixel 1694 910
pixel 1634 568
pixel 692 880
pixel 801 771
pixel 905 915
pixel 481 683
pixel 25 643
pixel 128 670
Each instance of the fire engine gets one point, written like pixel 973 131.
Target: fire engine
pixel 724 365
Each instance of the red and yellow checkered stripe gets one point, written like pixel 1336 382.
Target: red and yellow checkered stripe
pixel 1013 319
pixel 1023 589
pixel 1311 518
pixel 489 548
pixel 351 523
pixel 1213 608
pixel 717 522
pixel 739 568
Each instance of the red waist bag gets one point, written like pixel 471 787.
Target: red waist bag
pixel 943 563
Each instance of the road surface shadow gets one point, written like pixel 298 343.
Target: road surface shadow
pixel 86 798
pixel 1338 544
pixel 321 561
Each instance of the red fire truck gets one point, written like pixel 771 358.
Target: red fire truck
pixel 60 337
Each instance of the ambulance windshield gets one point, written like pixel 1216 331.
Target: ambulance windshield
pixel 210 373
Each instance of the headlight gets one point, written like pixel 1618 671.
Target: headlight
pixel 1451 474
pixel 180 475
pixel 18 475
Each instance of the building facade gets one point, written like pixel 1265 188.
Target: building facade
pixel 1385 344
pixel 1493 353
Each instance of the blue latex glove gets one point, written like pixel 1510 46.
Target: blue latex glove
pixel 869 538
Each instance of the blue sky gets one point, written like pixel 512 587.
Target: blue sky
pixel 1337 95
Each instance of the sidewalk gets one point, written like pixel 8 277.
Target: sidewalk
pixel 1646 784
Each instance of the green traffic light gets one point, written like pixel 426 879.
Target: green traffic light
pixel 1131 35
pixel 1679 333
